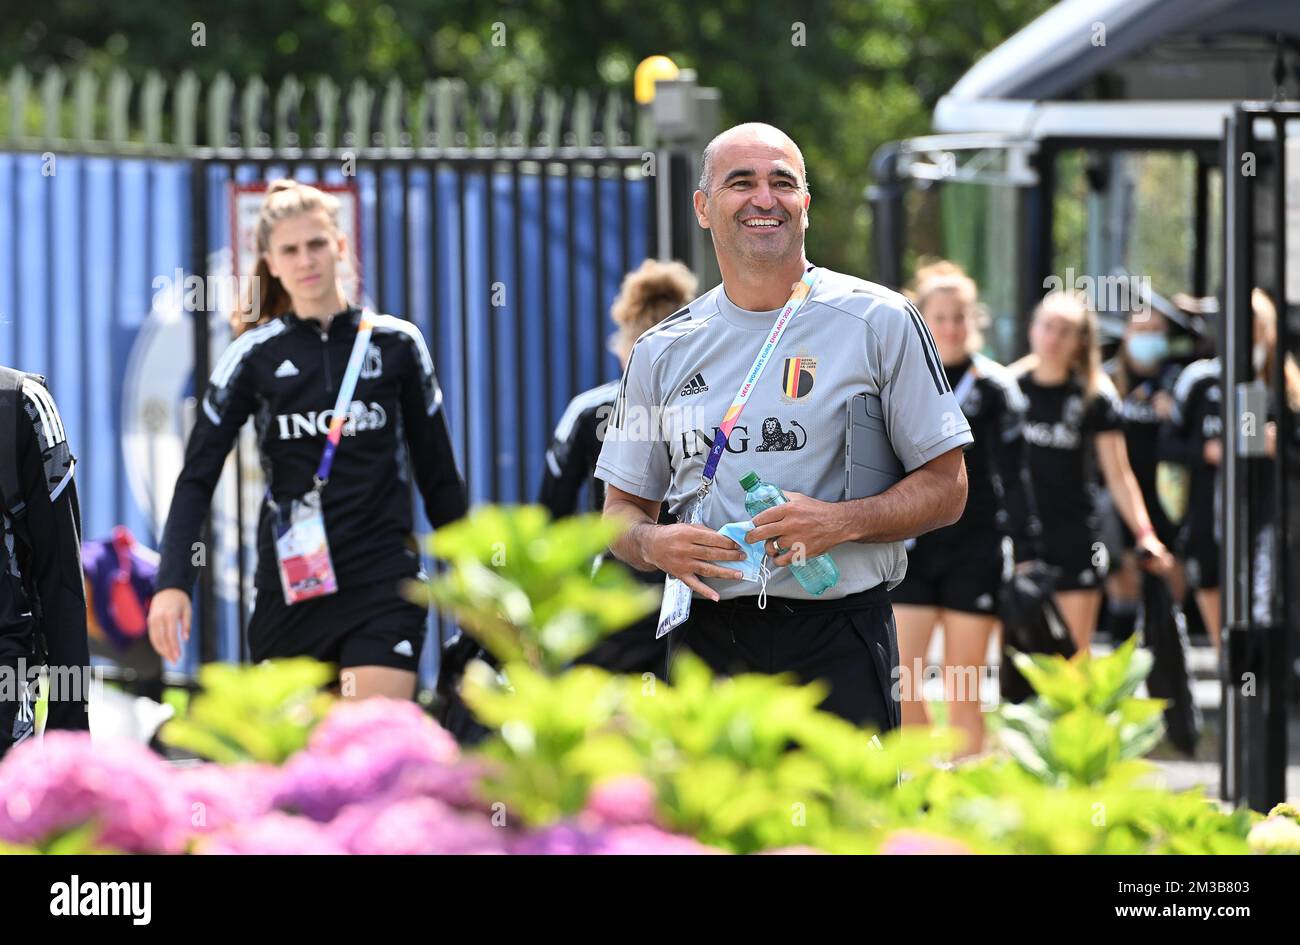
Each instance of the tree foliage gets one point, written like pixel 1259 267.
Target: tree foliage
pixel 841 76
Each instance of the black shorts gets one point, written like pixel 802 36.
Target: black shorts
pixel 850 644
pixel 1200 554
pixel 1080 554
pixel 368 625
pixel 962 575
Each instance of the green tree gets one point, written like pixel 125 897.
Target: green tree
pixel 840 76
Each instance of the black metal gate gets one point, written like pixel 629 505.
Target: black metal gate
pixel 1259 527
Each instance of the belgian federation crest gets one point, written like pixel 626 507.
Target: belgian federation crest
pixel 797 375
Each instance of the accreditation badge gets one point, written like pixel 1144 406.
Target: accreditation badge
pixel 676 606
pixel 303 552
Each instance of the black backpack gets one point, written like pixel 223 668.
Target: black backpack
pixel 19 604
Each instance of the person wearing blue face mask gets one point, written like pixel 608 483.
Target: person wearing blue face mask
pixel 1144 376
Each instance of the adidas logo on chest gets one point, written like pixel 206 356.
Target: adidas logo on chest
pixel 695 385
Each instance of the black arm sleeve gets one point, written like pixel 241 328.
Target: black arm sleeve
pixel 570 461
pixel 54 528
pixel 221 414
pixel 429 440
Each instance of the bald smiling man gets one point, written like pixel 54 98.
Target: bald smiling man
pixel 849 337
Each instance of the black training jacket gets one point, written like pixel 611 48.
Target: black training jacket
pixel 285 374
pixel 48 553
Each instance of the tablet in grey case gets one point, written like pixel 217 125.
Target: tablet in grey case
pixel 870 466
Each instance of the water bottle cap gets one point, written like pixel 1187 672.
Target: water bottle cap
pixel 749 480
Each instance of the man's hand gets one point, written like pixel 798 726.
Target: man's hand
pixel 802 526
pixel 687 552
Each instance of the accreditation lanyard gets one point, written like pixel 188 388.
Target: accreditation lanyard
pixel 802 292
pixel 342 405
pixel 675 607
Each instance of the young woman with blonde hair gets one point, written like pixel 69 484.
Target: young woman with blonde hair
pixel 954 574
pixel 348 413
pixel 1074 427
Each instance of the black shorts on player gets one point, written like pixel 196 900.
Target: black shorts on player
pixel 1080 555
pixel 1200 554
pixel 1062 422
pixel 963 575
pixel 962 567
pixel 368 625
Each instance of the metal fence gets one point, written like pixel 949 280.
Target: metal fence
pixel 1261 529
pixel 506 257
pixel 114 113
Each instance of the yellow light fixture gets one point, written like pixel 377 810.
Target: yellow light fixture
pixel 649 71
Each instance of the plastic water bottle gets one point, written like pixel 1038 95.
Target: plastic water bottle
pixel 814 576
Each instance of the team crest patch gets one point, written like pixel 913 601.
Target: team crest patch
pixel 797 376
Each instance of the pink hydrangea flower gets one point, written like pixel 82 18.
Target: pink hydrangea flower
pixel 916 843
pixel 368 721
pixel 216 796
pixel 62 781
pixel 377 748
pixel 273 834
pixel 623 800
pixel 570 839
pixel 416 826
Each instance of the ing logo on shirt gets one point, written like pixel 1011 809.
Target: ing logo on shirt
pixel 797 376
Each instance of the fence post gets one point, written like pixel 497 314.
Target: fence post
pixel 185 109
pixel 119 101
pixel 357 132
pixel 20 85
pixel 52 104
pixel 85 89
pixel 580 119
pixel 288 113
pixel 393 121
pixel 327 112
pixel 220 95
pixel 151 108
pixel 252 113
pixel 488 116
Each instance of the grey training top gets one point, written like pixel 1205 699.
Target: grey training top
pixel 850 336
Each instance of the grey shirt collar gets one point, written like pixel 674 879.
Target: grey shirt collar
pixel 743 317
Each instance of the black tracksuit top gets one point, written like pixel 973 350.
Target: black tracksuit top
pixel 286 375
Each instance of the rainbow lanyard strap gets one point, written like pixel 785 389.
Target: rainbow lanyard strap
pixel 343 403
pixel 802 292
